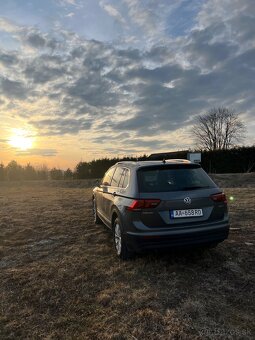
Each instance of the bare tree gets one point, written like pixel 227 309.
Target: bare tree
pixel 219 128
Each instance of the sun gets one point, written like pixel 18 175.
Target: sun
pixel 21 139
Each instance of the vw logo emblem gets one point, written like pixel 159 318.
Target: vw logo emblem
pixel 187 200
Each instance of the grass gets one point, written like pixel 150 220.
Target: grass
pixel 60 278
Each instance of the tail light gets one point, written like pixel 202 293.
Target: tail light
pixel 143 204
pixel 221 197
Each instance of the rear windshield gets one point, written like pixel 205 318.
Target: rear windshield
pixel 173 179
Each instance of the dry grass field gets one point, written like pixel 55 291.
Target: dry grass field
pixel 60 278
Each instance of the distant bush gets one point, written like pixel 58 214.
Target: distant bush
pixel 56 174
pixel 241 159
pixel 2 172
pixel 15 172
pixel 68 174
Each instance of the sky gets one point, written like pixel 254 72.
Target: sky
pixel 80 80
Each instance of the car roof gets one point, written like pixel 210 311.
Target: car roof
pixel 138 164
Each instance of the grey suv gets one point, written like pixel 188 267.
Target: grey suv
pixel 156 204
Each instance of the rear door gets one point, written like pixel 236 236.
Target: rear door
pixel 184 192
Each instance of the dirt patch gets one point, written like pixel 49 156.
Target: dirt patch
pixel 60 278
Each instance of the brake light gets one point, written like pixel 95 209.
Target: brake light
pixel 221 197
pixel 143 204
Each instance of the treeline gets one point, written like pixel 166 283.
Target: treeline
pixel 15 172
pixel 235 160
pixel 94 169
pixel 97 168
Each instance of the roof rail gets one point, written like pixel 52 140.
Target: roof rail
pixel 126 162
pixel 177 161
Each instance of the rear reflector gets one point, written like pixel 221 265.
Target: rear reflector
pixel 143 204
pixel 221 197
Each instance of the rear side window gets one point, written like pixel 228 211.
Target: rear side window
pixel 116 177
pixel 173 179
pixel 108 177
pixel 124 179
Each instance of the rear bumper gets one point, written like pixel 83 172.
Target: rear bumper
pixel 176 238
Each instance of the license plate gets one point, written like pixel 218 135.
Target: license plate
pixel 186 213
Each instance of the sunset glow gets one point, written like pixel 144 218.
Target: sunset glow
pixel 21 139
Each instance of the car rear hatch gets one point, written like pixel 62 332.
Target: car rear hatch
pixel 177 195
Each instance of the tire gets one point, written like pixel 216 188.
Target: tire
pixel 119 243
pixel 96 218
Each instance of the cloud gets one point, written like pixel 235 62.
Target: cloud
pixel 36 40
pixel 68 2
pixel 95 91
pixel 41 72
pixel 142 16
pixel 8 59
pixel 237 17
pixel 60 126
pixel 203 51
pixel 7 25
pixel 70 15
pixel 113 12
pixel 145 143
pixel 37 152
pixel 13 89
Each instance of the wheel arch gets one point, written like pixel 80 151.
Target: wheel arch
pixel 114 214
